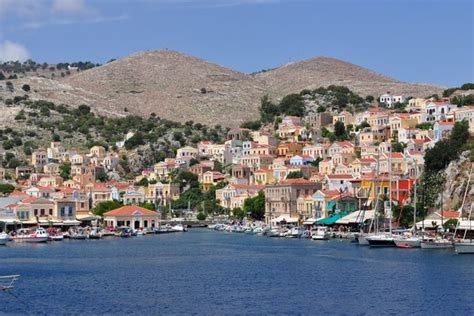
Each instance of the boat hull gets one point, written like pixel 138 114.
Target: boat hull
pixel 31 239
pixel 436 245
pixel 3 241
pixel 464 247
pixel 362 240
pixel 407 243
pixel 381 242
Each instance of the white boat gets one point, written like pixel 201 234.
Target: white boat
pixel 408 242
pixel 321 233
pixel 273 233
pixel 3 239
pixel 179 228
pixel 258 230
pixel 95 233
pixel 362 240
pixel 295 232
pixel 31 235
pixel 464 247
pixel 436 244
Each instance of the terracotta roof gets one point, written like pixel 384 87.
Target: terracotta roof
pixel 450 214
pixel 340 176
pixel 18 193
pixel 330 192
pixel 296 181
pixel 129 210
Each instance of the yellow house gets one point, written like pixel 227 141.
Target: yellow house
pixel 372 186
pixel 264 176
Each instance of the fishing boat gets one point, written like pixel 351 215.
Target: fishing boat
pixel 55 234
pixel 3 239
pixel 37 235
pixel 77 233
pixel 321 233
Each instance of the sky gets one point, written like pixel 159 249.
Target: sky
pixel 424 41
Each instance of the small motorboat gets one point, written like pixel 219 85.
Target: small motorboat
pixel 295 232
pixel 55 234
pixel 78 234
pixel 95 233
pixel 408 242
pixel 179 228
pixel 3 239
pixel 321 233
pixel 273 233
pixel 31 235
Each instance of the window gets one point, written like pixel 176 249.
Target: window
pixel 63 211
pixel 42 212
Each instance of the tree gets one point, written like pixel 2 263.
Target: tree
pixel 292 104
pixel 148 206
pixel 340 130
pixel 26 87
pixel 369 98
pixel 6 188
pixel 65 170
pixel 201 216
pixel 142 183
pixel 255 206
pixel 103 207
pixel 294 175
pixel 238 213
pixel 397 147
pixel 253 125
pixel 101 176
pixel 56 138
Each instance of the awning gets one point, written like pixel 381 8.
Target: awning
pixel 311 221
pixel 465 225
pixel 72 222
pixel 331 220
pixel 50 222
pixel 87 217
pixel 9 221
pixel 30 222
pixel 284 218
pixel 356 217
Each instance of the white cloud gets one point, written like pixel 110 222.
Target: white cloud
pixel 10 51
pixel 71 6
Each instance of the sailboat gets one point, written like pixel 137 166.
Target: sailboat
pixel 412 241
pixel 362 238
pixel 385 239
pixel 465 246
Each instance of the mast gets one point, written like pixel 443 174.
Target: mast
pixel 390 189
pixel 414 197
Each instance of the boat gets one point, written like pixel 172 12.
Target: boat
pixel 124 232
pixel 37 235
pixel 3 239
pixel 465 245
pixel 439 243
pixel 408 242
pixel 258 230
pixel 273 233
pixel 381 240
pixel 295 232
pixel 181 228
pixel 77 233
pixel 321 233
pixel 55 234
pixel 7 282
pixel 95 233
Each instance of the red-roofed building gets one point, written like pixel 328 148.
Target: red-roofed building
pixel 132 216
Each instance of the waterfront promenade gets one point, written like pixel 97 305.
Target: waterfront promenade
pixel 210 273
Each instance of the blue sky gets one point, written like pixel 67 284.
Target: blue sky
pixel 425 41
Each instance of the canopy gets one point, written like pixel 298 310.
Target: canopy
pixel 311 221
pixel 9 221
pixel 71 222
pixel 356 217
pixel 331 220
pixel 285 218
pixel 87 217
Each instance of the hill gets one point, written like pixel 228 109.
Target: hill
pixel 324 71
pixel 181 88
pixel 172 85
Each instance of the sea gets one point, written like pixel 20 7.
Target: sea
pixel 205 272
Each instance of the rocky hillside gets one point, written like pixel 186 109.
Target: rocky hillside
pixel 174 86
pixel 323 71
pixel 179 87
pixel 457 174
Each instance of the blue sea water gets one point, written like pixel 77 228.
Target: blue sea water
pixel 203 272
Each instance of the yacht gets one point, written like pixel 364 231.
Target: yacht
pixel 95 233
pixel 273 233
pixel 381 240
pixel 3 239
pixel 31 235
pixel 408 242
pixel 439 243
pixel 464 247
pixel 55 234
pixel 295 232
pixel 321 233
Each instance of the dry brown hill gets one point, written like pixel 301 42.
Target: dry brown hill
pixel 323 71
pixel 181 87
pixel 174 86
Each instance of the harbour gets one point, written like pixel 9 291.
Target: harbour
pixel 228 274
